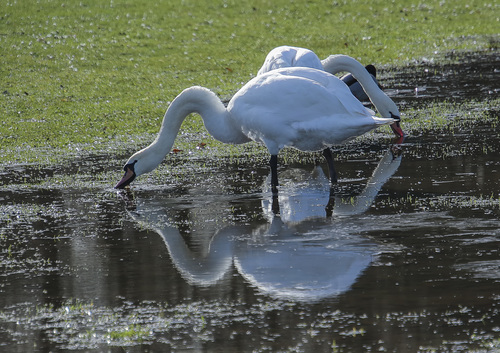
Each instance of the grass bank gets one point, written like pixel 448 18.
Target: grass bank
pixel 89 74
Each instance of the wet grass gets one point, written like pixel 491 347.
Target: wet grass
pixel 199 151
pixel 483 205
pixel 92 77
pixel 451 116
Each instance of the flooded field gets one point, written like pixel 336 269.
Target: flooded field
pixel 401 256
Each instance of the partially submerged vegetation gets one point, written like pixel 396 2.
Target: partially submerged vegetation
pixel 81 325
pixel 451 116
pixel 93 77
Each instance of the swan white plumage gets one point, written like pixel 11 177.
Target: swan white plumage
pixel 289 56
pixel 304 108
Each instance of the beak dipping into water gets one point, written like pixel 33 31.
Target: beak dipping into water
pixel 396 128
pixel 128 177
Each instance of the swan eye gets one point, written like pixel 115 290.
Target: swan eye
pixel 129 166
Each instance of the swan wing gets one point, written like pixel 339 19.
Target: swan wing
pixel 304 108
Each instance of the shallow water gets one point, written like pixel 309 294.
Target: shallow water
pixel 401 256
pixel 474 77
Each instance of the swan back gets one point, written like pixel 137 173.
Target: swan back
pixel 286 56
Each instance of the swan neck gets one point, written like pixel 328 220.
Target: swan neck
pixel 198 100
pixel 340 63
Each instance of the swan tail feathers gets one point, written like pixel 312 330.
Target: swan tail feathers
pixel 393 122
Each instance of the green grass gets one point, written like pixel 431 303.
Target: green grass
pixel 89 74
pixel 450 116
pixel 130 333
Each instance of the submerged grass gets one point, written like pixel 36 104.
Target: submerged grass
pixel 79 325
pixel 88 76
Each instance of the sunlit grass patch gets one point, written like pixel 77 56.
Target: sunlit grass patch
pixel 132 333
pixel 482 205
pixel 449 116
pixel 84 74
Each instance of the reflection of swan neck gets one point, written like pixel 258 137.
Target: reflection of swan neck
pixel 382 173
pixel 201 270
pixel 339 63
pixel 205 270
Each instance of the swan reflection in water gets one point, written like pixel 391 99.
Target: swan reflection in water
pixel 300 253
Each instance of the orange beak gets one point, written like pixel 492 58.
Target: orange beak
pixel 396 128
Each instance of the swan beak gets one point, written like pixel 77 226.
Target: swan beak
pixel 127 178
pixel 396 128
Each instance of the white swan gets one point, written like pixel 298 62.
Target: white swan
pixel 288 56
pixel 304 108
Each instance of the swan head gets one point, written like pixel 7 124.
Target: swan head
pixel 396 127
pixel 129 175
pixel 371 70
pixel 140 163
pixel 389 110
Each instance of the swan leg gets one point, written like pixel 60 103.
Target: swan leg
pixel 275 205
pixel 273 162
pixel 331 203
pixel 327 153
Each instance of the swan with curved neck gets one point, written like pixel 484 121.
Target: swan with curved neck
pixel 289 56
pixel 304 108
pixel 339 63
